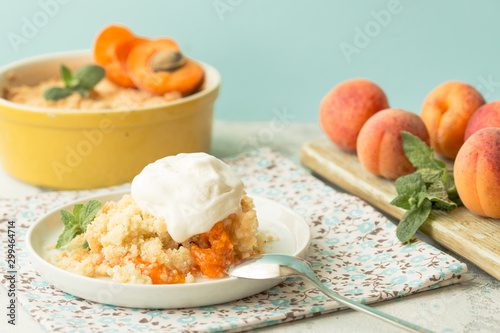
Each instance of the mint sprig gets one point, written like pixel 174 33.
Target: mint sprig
pixel 419 154
pixel 82 81
pixel 76 223
pixel 432 186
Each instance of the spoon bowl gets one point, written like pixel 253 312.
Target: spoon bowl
pixel 274 266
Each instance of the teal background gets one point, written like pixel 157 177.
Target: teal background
pixel 284 55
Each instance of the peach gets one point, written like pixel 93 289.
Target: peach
pixel 380 144
pixel 346 108
pixel 487 115
pixel 477 172
pixel 446 111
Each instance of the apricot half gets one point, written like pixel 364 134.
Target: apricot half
pixel 446 112
pixel 477 172
pixel 346 108
pixel 380 144
pixel 111 49
pixel 159 67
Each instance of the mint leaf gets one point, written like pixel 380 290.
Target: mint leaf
pixel 437 190
pixel 56 93
pixel 451 188
pixel 66 75
pixel 71 228
pixel 83 80
pixel 89 75
pixel 67 218
pixel 409 184
pixel 412 220
pixel 88 212
pixel 408 187
pixel 76 223
pixel 86 245
pixel 453 196
pixel 432 186
pixel 418 153
pixel 445 205
pixel 67 235
pixel 439 196
pixel 431 175
pixel 421 196
pixel 76 210
pixel 403 201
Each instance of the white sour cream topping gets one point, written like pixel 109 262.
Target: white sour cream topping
pixel 191 192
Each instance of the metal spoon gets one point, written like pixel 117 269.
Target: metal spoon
pixel 272 266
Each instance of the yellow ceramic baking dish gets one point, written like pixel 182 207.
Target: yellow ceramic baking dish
pixel 79 149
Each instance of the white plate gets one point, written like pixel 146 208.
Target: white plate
pixel 290 231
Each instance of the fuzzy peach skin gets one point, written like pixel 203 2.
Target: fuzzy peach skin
pixel 346 108
pixel 446 111
pixel 487 115
pixel 477 172
pixel 380 144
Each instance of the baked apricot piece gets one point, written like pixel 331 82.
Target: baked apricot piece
pixel 111 34
pixel 111 49
pixel 213 260
pixel 158 273
pixel 159 67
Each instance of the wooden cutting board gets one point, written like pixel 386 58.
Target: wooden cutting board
pixel 473 237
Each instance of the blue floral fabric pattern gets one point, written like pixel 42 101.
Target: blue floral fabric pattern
pixel 353 250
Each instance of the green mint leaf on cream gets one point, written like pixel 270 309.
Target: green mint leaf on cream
pixel 432 186
pixel 82 81
pixel 76 223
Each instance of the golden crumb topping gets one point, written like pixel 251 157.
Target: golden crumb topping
pixel 129 245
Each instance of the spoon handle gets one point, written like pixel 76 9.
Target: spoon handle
pixel 366 309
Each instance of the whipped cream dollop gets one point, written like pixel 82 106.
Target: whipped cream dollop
pixel 191 192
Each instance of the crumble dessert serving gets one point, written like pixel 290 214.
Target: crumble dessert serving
pixel 187 217
pixel 139 72
pixel 104 96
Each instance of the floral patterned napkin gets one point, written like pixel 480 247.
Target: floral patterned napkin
pixel 354 250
